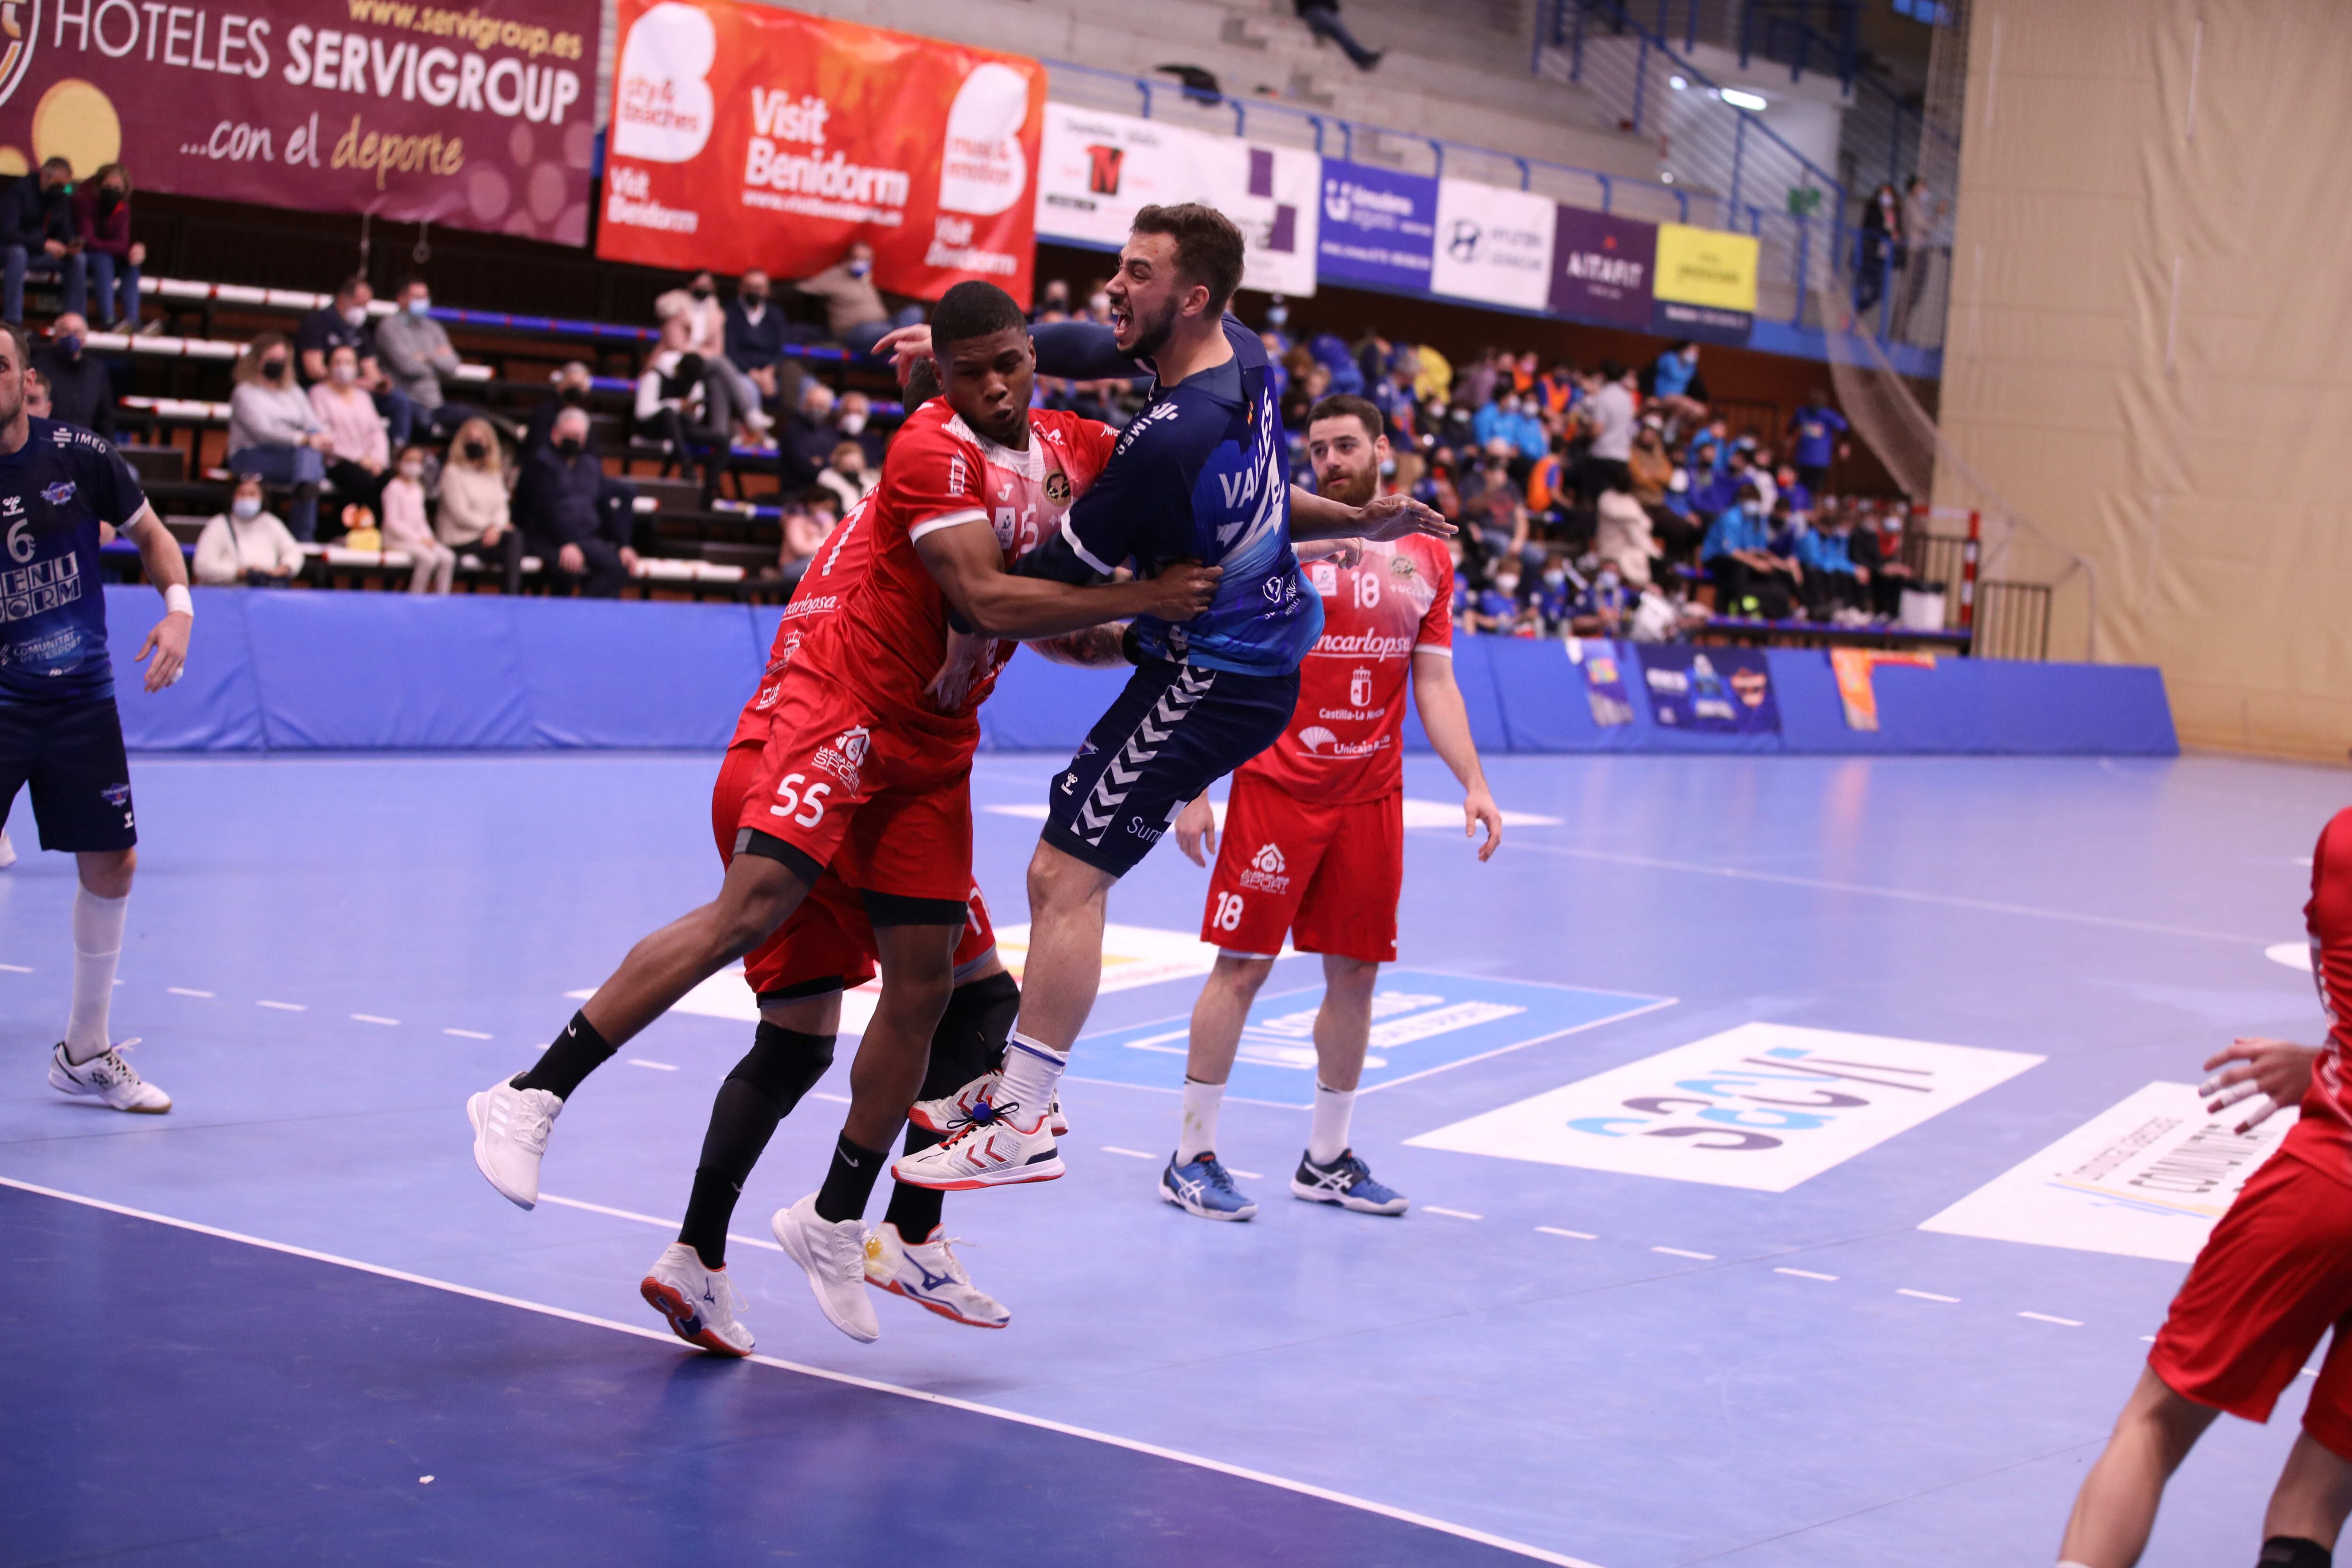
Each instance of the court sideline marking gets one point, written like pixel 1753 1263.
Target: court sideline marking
pixel 1305 1488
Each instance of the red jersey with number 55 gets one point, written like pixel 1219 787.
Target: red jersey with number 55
pixel 892 642
pixel 2323 1137
pixel 1345 739
pixel 835 569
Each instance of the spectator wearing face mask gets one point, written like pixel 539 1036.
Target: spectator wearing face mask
pixel 847 476
pixel 245 544
pixel 573 517
pixel 38 237
pixel 855 315
pixel 80 392
pixel 1675 386
pixel 682 402
pixel 415 352
pixel 572 384
pixel 344 320
pixel 1819 431
pixel 102 210
pixel 1749 580
pixel 406 528
pixel 706 320
pixel 757 335
pixel 475 516
pixel 1622 535
pixel 273 434
pixel 358 452
pixel 1496 607
pixel 1611 415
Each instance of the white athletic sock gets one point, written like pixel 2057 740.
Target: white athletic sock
pixel 97 945
pixel 1327 1140
pixel 1197 1134
pixel 1032 1071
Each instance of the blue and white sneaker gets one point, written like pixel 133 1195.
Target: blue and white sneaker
pixel 1348 1182
pixel 927 1273
pixel 1205 1188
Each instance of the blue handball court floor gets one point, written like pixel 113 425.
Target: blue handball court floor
pixel 1801 1149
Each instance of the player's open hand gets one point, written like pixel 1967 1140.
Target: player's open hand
pixel 169 643
pixel 905 347
pixel 1393 517
pixel 1182 591
pixel 2265 1075
pixel 1478 806
pixel 1338 552
pixel 1196 830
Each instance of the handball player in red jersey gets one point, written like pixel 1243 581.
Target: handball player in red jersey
pixel 1314 834
pixel 2274 1277
pixel 866 771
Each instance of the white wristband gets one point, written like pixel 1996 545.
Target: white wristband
pixel 177 600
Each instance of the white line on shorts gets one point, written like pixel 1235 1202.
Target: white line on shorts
pixel 1571 1235
pixel 1928 1296
pixel 1678 1252
pixel 371 1018
pixel 2046 1317
pixel 657 1066
pixel 183 991
pixel 286 1007
pixel 1806 1274
pixel 467 1033
pixel 1450 1214
pixel 1130 1153
pixel 648 1219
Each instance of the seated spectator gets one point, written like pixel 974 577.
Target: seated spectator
pixel 575 519
pixel 404 527
pixel 847 476
pixel 1762 468
pixel 245 544
pixel 757 335
pixel 855 315
pixel 1322 19
pixel 1816 427
pixel 1498 521
pixel 1749 580
pixel 344 320
pixel 475 516
pixel 1877 567
pixel 1793 491
pixel 572 384
pixel 38 237
pixel 1834 587
pixel 683 402
pixel 1496 607
pixel 1652 475
pixel 1675 386
pixel 707 317
pixel 359 451
pixel 1622 536
pixel 805 535
pixel 80 391
pixel 853 420
pixel 415 352
pixel 273 432
pixel 1709 450
pixel 1602 608
pixel 102 209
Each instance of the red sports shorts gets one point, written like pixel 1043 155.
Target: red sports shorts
pixel 885 805
pixel 2274 1276
pixel 1330 875
pixel 828 937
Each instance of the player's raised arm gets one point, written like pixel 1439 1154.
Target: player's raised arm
pixel 969 567
pixel 1384 518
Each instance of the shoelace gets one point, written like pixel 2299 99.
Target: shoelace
pixel 995 1113
pixel 1221 1178
pixel 531 1125
pixel 108 1068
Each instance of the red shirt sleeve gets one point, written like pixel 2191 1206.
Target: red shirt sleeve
pixel 1437 621
pixel 931 480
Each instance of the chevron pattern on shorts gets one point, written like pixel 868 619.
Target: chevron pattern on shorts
pixel 1102 804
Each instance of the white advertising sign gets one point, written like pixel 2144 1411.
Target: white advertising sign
pixel 1275 194
pixel 1492 245
pixel 2145 1178
pixel 1763 1106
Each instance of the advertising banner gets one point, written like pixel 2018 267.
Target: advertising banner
pixel 476 119
pixel 1493 246
pixel 1604 681
pixel 1762 1106
pixel 1378 227
pixel 744 135
pixel 1714 691
pixel 1706 288
pixel 1857 692
pixel 1601 269
pixel 1099 169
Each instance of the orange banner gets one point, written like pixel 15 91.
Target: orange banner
pixel 1853 666
pixel 742 135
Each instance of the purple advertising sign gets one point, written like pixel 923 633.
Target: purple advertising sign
pixel 1378 227
pixel 1601 269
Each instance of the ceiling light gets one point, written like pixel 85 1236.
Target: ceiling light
pixel 1738 100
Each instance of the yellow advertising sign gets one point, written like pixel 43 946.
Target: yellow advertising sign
pixel 1705 266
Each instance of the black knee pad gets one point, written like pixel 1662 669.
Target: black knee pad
pixel 784 1064
pixel 971 1034
pixel 2294 1551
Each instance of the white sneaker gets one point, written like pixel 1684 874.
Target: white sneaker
pixel 7 851
pixel 510 1128
pixel 951 1112
pixel 927 1274
pixel 106 1076
pixel 835 1257
pixel 998 1152
pixel 701 1304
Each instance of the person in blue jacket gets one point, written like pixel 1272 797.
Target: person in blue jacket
pixel 1749 579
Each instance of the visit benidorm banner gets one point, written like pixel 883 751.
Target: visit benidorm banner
pixel 744 135
pixel 476 118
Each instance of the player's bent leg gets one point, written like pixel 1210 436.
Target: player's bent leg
pixel 1331 1172
pixel 2117 1506
pixel 85 1063
pixel 1068 899
pixel 2307 1509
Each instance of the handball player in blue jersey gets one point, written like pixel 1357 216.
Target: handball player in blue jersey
pixel 60 732
pixel 1199 475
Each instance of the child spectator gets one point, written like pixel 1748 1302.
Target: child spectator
pixel 475 513
pixel 102 209
pixel 245 544
pixel 404 527
pixel 273 434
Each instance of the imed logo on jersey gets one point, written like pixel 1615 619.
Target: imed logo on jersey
pixel 1266 873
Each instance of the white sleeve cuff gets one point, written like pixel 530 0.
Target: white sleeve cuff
pixel 947 520
pixel 1070 536
pixel 1440 647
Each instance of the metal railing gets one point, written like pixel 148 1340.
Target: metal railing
pixel 2012 621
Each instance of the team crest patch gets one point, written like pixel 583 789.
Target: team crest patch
pixel 115 795
pixel 1057 488
pixel 1401 566
pixel 1265 871
pixel 845 755
pixel 59 493
pixel 851 743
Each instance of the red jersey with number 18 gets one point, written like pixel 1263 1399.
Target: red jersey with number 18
pixel 1345 739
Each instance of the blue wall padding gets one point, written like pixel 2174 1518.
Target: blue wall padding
pixel 299 670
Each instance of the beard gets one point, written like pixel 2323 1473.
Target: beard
pixel 1349 489
pixel 1152 336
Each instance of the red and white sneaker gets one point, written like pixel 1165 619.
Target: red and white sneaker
pixel 996 1152
pixel 927 1274
pixel 952 1111
pixel 701 1304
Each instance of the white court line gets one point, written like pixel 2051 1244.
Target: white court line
pixel 648 1219
pixel 285 1007
pixel 467 1033
pixel 1236 1170
pixel 1571 1235
pixel 2046 1317
pixel 1806 1274
pixel 665 1338
pixel 657 1066
pixel 1450 1214
pixel 15 968
pixel 1523 1045
pixel 371 1018
pixel 1130 1153
pixel 183 991
pixel 1928 1296
pixel 1678 1252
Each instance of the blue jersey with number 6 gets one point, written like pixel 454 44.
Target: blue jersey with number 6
pixel 55 490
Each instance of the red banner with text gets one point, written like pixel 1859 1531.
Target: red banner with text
pixel 742 135
pixel 477 119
